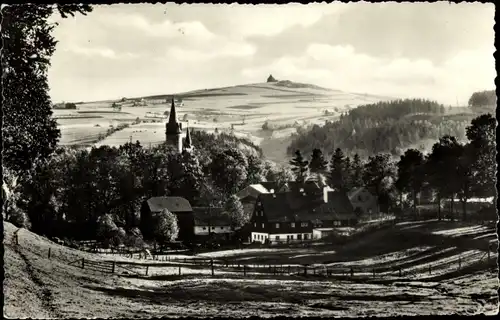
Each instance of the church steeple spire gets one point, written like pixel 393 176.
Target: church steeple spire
pixel 188 139
pixel 174 129
pixel 173 125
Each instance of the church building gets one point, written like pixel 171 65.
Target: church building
pixel 173 132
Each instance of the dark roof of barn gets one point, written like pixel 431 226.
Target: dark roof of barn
pixel 172 204
pixel 288 206
pixel 205 216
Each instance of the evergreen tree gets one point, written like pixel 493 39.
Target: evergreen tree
pixel 337 174
pixel 357 172
pixel 318 164
pixel 377 170
pixel 299 167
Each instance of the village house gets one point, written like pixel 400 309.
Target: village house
pixel 178 206
pixel 364 202
pixel 292 216
pixel 249 194
pixel 211 223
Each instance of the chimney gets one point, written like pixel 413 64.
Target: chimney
pixel 325 194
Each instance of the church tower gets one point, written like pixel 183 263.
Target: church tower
pixel 174 129
pixel 188 144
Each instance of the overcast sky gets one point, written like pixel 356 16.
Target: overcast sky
pixel 440 51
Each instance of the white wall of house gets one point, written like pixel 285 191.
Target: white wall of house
pixel 258 237
pixel 282 237
pixel 204 230
pixel 318 233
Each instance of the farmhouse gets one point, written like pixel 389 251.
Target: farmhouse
pixel 178 206
pixel 211 223
pixel 249 195
pixel 293 215
pixel 363 201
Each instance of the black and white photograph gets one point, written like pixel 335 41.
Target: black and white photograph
pixel 234 160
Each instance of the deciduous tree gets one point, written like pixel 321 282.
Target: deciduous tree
pixel 28 129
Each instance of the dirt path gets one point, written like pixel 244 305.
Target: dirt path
pixel 44 294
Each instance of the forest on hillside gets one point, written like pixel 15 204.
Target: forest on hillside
pixel 388 127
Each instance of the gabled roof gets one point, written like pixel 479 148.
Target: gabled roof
pixel 289 206
pixel 172 204
pixel 252 190
pixel 205 216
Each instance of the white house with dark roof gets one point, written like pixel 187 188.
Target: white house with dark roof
pixel 292 216
pixel 211 222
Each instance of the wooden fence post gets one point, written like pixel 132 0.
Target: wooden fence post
pixel 399 272
pixel 429 269
pixel 83 263
pixel 274 271
pixel 147 269
pixel 179 270
pixel 113 269
pixel 314 270
pixel 352 272
pixel 49 253
pixel 289 269
pixel 212 265
pixel 244 270
pixel 373 272
pixel 305 270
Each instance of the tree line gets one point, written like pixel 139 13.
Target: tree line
pixel 383 127
pixel 452 170
pixel 483 98
pixel 77 192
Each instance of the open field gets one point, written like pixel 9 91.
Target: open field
pixel 246 107
pixel 36 286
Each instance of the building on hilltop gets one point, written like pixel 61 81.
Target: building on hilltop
pixel 173 132
pixel 271 79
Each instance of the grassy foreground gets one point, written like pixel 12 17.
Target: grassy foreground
pixel 38 287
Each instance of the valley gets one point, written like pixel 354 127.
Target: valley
pixel 285 106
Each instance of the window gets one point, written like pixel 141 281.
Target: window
pixel 277 225
pixel 306 237
pixel 304 224
pixel 277 237
pixel 263 225
pixel 293 224
pixel 359 198
pixel 299 237
pixel 213 228
pixel 291 237
pixel 204 228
